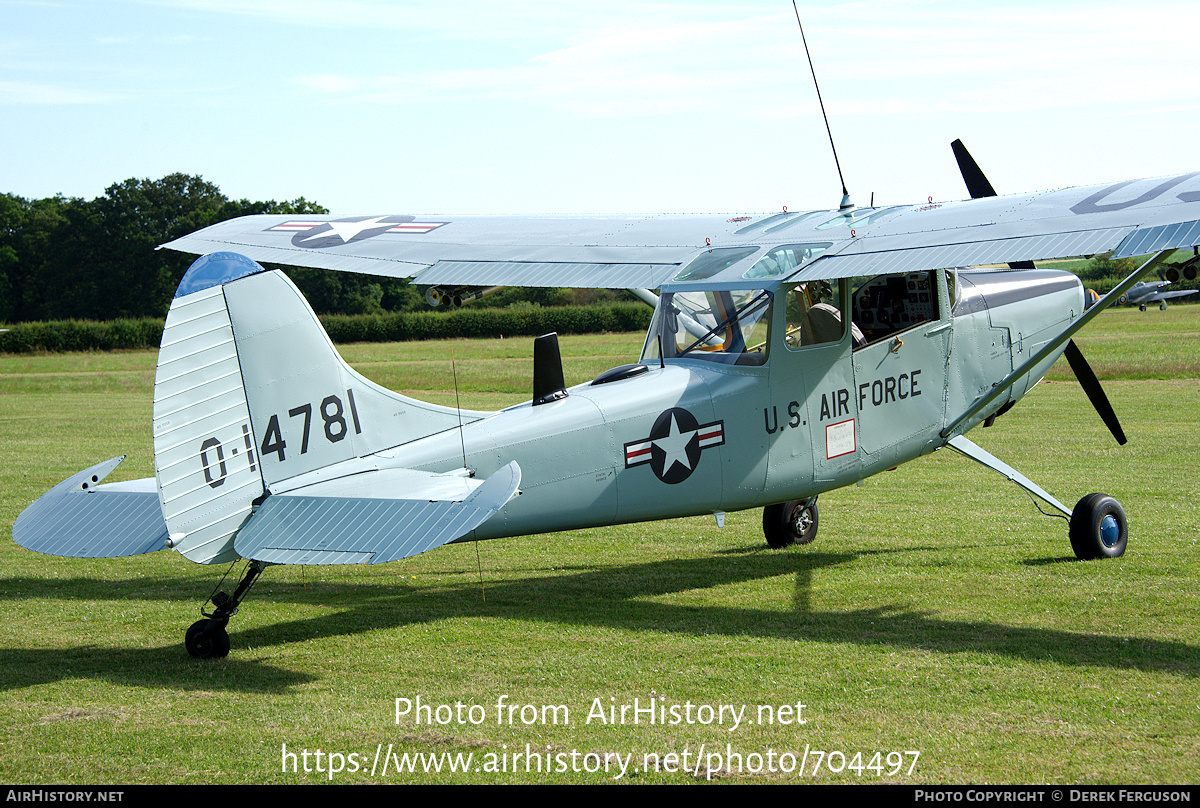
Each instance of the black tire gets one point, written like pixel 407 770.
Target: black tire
pixel 792 522
pixel 777 537
pixel 1098 528
pixel 207 639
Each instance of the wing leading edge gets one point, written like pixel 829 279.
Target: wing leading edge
pixel 1130 218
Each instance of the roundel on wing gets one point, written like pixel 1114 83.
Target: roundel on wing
pixel 311 233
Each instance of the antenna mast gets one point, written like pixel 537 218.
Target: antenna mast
pixel 846 203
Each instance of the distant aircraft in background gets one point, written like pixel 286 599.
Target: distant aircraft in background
pixel 1145 293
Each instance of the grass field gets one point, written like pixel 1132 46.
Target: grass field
pixel 938 617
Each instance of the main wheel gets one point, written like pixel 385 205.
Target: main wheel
pixel 1098 528
pixel 207 639
pixel 792 522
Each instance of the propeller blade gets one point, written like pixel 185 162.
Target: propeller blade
pixel 1095 393
pixel 979 187
pixel 977 184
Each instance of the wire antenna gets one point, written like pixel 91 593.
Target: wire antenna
pixel 846 203
pixel 461 439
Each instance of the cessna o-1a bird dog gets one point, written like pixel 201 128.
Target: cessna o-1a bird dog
pixel 788 355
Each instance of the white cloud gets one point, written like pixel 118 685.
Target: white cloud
pixel 873 59
pixel 22 93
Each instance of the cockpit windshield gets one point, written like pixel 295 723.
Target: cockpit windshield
pixel 727 326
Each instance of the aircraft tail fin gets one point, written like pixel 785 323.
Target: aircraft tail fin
pixel 250 392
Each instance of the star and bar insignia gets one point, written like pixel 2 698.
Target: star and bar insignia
pixel 336 232
pixel 674 445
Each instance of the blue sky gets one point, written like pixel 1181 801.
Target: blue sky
pixel 465 106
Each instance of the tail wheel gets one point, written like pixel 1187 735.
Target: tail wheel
pixel 207 639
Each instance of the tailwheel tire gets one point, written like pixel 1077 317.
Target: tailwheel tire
pixel 1098 528
pixel 792 522
pixel 207 639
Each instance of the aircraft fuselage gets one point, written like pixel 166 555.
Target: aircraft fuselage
pixel 689 436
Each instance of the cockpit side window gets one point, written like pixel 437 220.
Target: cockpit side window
pixel 725 326
pixel 814 314
pixel 888 304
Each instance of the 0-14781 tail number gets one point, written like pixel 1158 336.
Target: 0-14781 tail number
pixel 333 414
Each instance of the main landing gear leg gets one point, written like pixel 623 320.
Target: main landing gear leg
pixel 207 638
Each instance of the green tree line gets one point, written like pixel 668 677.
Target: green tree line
pixel 66 258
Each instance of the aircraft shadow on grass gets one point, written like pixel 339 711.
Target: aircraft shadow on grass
pixel 611 597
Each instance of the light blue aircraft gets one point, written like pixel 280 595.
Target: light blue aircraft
pixel 789 354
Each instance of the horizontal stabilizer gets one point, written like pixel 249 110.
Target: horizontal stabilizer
pixel 298 528
pixel 82 519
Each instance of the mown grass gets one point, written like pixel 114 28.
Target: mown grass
pixel 1130 344
pixel 936 612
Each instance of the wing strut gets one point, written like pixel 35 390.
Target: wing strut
pixel 966 448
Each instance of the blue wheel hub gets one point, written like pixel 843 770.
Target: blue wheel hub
pixel 1110 530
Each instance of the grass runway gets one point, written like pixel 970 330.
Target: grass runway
pixel 938 617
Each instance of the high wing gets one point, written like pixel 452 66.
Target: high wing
pixel 587 252
pixel 1129 218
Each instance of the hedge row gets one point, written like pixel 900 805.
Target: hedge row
pixel 487 323
pixel 81 335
